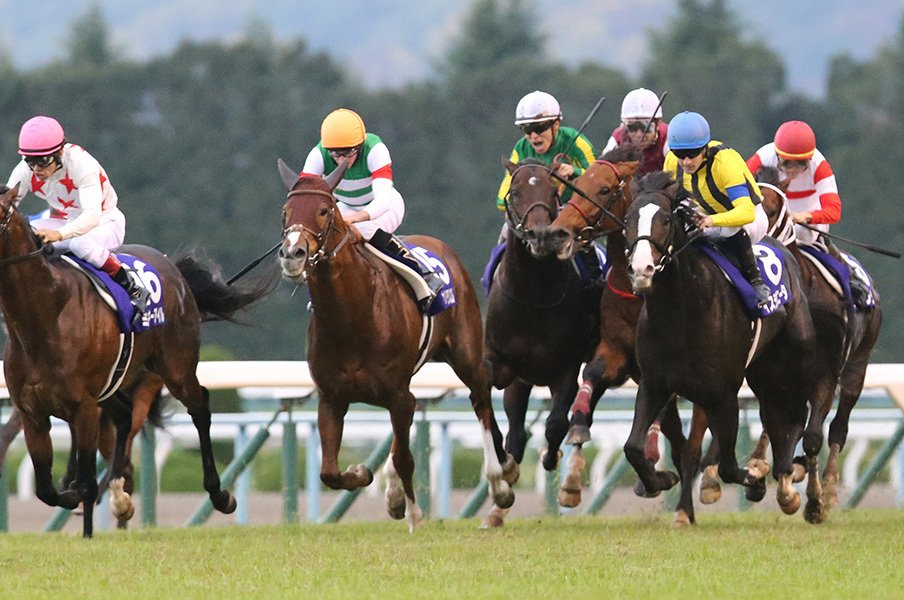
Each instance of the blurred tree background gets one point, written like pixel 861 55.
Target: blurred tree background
pixel 190 140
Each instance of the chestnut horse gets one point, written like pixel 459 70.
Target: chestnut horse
pixel 542 322
pixel 694 339
pixel 846 338
pixel 365 340
pixel 64 341
pixel 602 195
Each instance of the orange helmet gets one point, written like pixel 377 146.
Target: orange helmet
pixel 795 140
pixel 342 128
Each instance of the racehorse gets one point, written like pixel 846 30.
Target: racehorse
pixel 541 322
pixel 846 338
pixel 597 208
pixel 694 339
pixel 64 341
pixel 365 340
pixel 123 415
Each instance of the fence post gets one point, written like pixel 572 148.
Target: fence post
pixel 243 480
pixel 444 477
pixel 148 476
pixel 312 472
pixel 612 478
pixel 881 458
pixel 422 463
pixel 290 469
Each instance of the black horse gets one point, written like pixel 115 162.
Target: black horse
pixel 542 322
pixel 694 339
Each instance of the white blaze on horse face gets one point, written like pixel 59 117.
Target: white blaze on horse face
pixel 642 264
pixel 293 237
pixel 533 180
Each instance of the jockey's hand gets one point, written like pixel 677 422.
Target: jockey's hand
pixel 701 220
pixel 802 217
pixel 565 171
pixel 358 216
pixel 49 236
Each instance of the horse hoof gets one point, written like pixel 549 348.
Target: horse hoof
pixel 511 470
pixel 569 498
pixel 224 502
pixel 758 468
pixel 492 521
pixel 69 499
pixel 550 461
pixel 414 517
pixel 640 490
pixel 790 505
pixel 710 495
pixel 505 498
pixel 756 492
pixel 395 502
pixel 798 473
pixel 362 473
pixel 682 520
pixel 815 512
pixel 577 435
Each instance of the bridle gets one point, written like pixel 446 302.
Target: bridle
pixel 8 213
pixel 516 221
pixel 322 237
pixel 783 227
pixel 593 228
pixel 667 251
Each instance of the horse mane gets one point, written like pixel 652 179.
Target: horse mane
pixel 626 152
pixel 655 181
pixel 768 175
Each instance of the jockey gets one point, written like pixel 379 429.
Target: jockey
pixel 366 196
pixel 545 138
pixel 84 219
pixel 812 192
pixel 642 126
pixel 716 178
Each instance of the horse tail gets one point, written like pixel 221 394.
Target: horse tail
pixel 216 300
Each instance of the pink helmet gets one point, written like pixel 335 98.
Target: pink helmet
pixel 41 136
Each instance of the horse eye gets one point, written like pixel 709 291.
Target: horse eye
pixel 604 191
pixel 324 211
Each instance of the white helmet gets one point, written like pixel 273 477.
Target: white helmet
pixel 537 107
pixel 640 104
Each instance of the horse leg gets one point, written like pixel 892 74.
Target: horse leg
pixel 120 498
pixel 514 400
pixel 821 399
pixel 757 464
pixel 606 369
pixel 8 433
pixel 68 479
pixel 500 467
pixel 647 405
pixel 400 466
pixel 557 420
pixel 87 424
pixel 689 462
pixel 40 449
pixel 722 414
pixel 784 429
pixel 330 417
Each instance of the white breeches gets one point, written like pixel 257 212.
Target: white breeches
pixel 756 229
pixel 389 221
pixel 808 237
pixel 95 245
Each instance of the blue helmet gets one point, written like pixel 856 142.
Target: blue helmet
pixel 687 131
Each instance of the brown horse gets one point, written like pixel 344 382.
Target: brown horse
pixel 597 208
pixel 367 338
pixel 694 339
pixel 846 338
pixel 541 322
pixel 64 341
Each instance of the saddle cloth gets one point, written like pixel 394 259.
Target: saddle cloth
pixel 839 274
pixel 411 274
pixel 585 272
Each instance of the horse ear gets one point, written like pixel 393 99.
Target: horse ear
pixel 287 173
pixel 509 165
pixel 336 176
pixel 626 169
pixel 7 195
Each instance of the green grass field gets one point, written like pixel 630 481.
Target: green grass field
pixel 856 554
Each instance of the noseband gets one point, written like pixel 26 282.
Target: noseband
pixel 667 252
pixel 783 228
pixel 517 221
pixel 322 254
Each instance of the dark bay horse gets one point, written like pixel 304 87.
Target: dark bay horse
pixel 365 340
pixel 541 323
pixel 597 208
pixel 695 340
pixel 846 338
pixel 64 341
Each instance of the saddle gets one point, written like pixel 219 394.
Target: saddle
pixel 839 275
pixel 590 274
pixel 771 262
pixel 410 274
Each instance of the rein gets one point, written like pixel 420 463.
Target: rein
pixel 783 228
pixel 4 230
pixel 322 254
pixel 593 229
pixel 517 221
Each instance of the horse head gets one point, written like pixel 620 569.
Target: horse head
pixel 17 240
pixel 532 201
pixel 601 197
pixel 775 204
pixel 310 218
pixel 652 229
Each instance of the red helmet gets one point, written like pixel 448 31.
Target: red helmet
pixel 41 136
pixel 795 140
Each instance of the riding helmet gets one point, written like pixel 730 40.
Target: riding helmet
pixel 688 130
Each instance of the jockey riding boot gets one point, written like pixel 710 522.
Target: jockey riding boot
pixel 394 246
pixel 139 295
pixel 859 289
pixel 743 248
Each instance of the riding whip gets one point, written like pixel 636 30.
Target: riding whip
pixel 253 264
pixel 584 126
pixel 655 110
pixel 869 247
